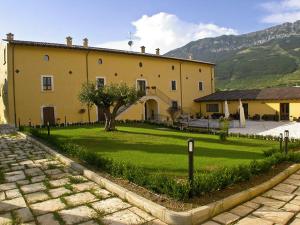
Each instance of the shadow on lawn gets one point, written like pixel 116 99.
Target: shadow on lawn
pixel 204 139
pixel 106 145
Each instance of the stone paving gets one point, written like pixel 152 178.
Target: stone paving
pixel 38 189
pixel 280 205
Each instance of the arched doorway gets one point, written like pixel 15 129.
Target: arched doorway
pixel 151 110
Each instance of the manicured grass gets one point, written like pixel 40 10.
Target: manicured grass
pixel 155 148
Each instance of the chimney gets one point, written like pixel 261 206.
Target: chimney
pixel 10 37
pixel 143 48
pixel 190 57
pixel 85 42
pixel 157 51
pixel 69 41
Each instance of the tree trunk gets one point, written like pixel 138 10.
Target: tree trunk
pixel 112 124
pixel 110 117
pixel 107 119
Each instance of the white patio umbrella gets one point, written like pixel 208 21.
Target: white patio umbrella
pixel 242 115
pixel 226 110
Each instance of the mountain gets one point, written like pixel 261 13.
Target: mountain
pixel 265 58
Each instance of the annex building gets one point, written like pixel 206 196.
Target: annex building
pixel 278 103
pixel 40 82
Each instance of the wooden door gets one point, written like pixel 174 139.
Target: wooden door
pixel 284 111
pixel 48 115
pixel 101 116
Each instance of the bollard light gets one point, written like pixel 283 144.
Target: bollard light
pixel 286 133
pixel 191 146
pixel 286 140
pixel 48 128
pixel 280 141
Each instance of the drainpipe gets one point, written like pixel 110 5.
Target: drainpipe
pixel 87 80
pixel 14 85
pixel 180 74
pixel 211 80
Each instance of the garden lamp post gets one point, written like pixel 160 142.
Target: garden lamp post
pixel 280 141
pixel 191 146
pixel 286 140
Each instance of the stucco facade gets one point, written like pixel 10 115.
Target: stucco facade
pixel 23 66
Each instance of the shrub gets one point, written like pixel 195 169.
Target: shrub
pixel 217 115
pixel 223 136
pixel 256 117
pixel 270 117
pixel 224 125
pixel 270 152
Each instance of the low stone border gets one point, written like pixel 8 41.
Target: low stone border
pixel 191 217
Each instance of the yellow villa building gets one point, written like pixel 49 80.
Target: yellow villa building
pixel 40 81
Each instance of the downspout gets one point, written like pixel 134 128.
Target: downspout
pixel 180 75
pixel 13 77
pixel 211 80
pixel 87 80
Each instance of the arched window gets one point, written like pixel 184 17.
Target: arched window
pixel 46 58
pixel 141 64
pixel 100 61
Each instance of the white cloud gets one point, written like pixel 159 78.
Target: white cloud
pixel 282 11
pixel 167 32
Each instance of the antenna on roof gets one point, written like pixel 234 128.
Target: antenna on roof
pixel 130 42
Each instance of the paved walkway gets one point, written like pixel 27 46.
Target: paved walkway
pixel 40 190
pixel 280 205
pixel 269 128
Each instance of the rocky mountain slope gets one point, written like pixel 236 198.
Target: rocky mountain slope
pixel 269 57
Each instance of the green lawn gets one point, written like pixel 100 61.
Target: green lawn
pixel 156 148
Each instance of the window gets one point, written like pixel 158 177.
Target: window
pixel 173 67
pixel 200 86
pixel 140 64
pixel 141 86
pixel 212 108
pixel 173 85
pixel 174 104
pixel 100 82
pixel 46 58
pixel 100 61
pixel 47 83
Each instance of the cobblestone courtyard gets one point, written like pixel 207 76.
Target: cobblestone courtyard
pixel 41 190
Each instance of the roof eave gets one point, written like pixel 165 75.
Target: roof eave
pixel 57 45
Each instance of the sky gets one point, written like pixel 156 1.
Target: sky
pixel 164 24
